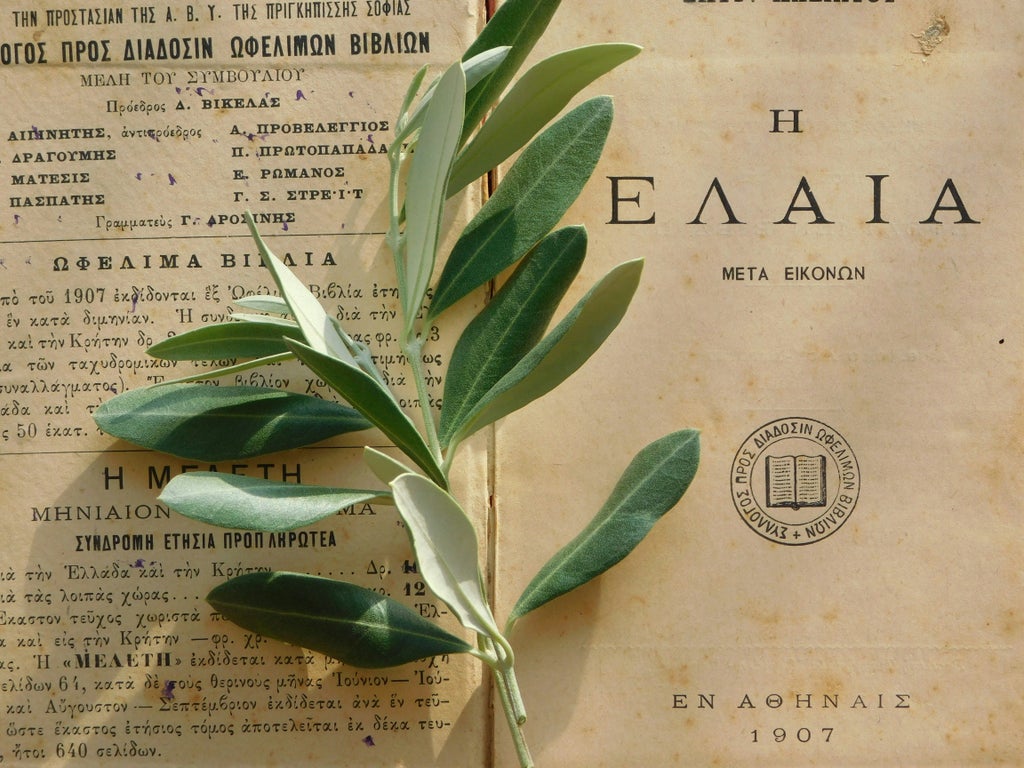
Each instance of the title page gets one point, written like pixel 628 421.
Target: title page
pixel 826 195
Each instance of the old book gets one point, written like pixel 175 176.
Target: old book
pixel 825 196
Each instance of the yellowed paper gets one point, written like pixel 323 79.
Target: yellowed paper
pixel 826 198
pixel 135 136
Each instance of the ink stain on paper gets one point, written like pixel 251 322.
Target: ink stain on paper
pixel 368 741
pixel 168 690
pixel 931 37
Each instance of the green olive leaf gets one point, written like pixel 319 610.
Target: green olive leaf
pixel 372 400
pixel 518 24
pixel 652 484
pixel 536 98
pixel 231 370
pixel 344 621
pixel 510 325
pixel 475 68
pixel 446 549
pixel 220 423
pixel 535 193
pixel 559 354
pixel 226 340
pixel 257 504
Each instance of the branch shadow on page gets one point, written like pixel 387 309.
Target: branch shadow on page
pixel 552 647
pixel 132 663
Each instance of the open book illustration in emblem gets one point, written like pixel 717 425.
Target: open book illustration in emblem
pixel 795 481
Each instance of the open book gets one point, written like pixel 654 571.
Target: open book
pixel 795 481
pixel 826 198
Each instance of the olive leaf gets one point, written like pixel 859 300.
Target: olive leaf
pixel 475 68
pixel 317 326
pixel 428 177
pixel 510 325
pixel 446 549
pixel 346 622
pixel 384 467
pixel 280 322
pixel 257 504
pixel 257 303
pixel 251 338
pixel 535 193
pixel 518 24
pixel 219 423
pixel 403 124
pixel 367 395
pixel 559 354
pixel 536 98
pixel 230 370
pixel 652 484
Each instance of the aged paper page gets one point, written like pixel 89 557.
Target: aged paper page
pixel 826 195
pixel 134 137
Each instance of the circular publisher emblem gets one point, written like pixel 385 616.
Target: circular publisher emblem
pixel 795 481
